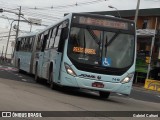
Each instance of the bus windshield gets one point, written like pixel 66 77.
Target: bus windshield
pixel 101 48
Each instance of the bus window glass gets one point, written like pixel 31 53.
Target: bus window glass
pixel 40 42
pixel 52 37
pixel 27 44
pixel 18 43
pixel 94 47
pixel 31 43
pixel 48 39
pixel 22 44
pixel 58 35
pixel 45 39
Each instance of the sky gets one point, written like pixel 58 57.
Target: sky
pixel 50 11
pixel 49 15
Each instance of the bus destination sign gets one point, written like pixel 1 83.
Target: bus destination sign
pixel 103 23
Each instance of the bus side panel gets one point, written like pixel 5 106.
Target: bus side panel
pixel 25 59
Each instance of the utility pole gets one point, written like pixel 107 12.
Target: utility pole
pixel 19 16
pixel 137 9
pixel 10 31
pixel 151 51
pixel 2 51
pixel 9 34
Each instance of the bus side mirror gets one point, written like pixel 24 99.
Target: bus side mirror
pixel 65 33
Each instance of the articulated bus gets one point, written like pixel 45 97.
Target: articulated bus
pixel 82 50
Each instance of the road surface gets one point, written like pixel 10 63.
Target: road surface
pixel 19 92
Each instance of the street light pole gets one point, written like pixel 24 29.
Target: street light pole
pixel 19 15
pixel 115 9
pixel 137 9
pixel 9 37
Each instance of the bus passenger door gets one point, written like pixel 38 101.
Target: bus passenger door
pixel 60 38
pixel 46 56
pixel 38 60
pixel 57 67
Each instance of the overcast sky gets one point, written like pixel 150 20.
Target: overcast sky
pixel 48 12
pixel 49 15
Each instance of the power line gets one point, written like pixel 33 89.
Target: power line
pixel 44 15
pixel 56 7
pixel 68 5
pixel 50 12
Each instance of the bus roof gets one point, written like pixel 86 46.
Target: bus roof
pixel 28 34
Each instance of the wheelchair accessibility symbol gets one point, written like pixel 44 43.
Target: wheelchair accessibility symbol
pixel 106 61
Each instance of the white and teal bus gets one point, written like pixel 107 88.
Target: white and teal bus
pixel 24 50
pixel 87 51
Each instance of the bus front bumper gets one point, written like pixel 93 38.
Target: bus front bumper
pixel 124 88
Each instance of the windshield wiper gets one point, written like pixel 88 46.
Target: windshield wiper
pixel 112 39
pixel 94 37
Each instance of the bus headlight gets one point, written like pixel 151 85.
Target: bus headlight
pixel 128 78
pixel 69 70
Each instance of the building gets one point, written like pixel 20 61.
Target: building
pixel 148 33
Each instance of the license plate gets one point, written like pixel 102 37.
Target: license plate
pixel 98 85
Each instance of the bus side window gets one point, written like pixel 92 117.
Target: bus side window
pixel 45 40
pixel 27 44
pixel 31 43
pixel 48 39
pixel 52 37
pixel 63 34
pixel 58 35
pixel 22 44
pixel 18 45
pixel 40 42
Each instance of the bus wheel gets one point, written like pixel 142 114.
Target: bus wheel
pixel 36 78
pixel 52 84
pixel 19 70
pixel 104 94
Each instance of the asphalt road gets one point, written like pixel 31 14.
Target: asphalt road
pixel 19 92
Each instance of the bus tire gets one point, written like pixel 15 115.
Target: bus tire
pixel 36 78
pixel 104 94
pixel 19 70
pixel 52 84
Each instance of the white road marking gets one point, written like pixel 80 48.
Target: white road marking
pixel 24 80
pixel 19 76
pixel 16 74
pixel 118 94
pixel 158 96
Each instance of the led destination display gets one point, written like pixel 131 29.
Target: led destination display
pixel 102 22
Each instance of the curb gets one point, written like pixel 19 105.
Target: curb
pixel 141 88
